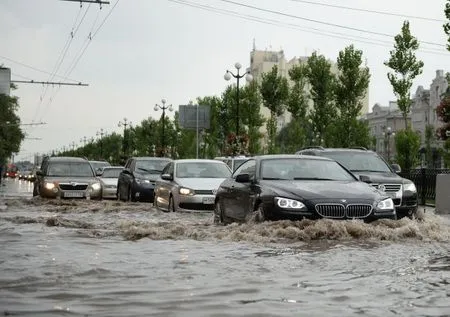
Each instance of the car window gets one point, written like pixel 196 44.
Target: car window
pixel 360 162
pixel 202 170
pixel 151 166
pixel 111 172
pixel 63 169
pixel 237 163
pixel 303 169
pixel 248 167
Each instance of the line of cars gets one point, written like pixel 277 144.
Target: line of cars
pixel 313 183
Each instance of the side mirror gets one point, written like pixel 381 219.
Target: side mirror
pixel 243 178
pixel 397 169
pixel 167 177
pixel 126 171
pixel 39 173
pixel 364 178
pixel 98 173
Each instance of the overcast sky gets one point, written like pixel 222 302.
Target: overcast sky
pixel 147 50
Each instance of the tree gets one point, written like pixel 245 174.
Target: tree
pixel 11 135
pixel 350 89
pixel 274 91
pixel 407 142
pixel 405 66
pixel 321 81
pixel 429 142
pixel 447 25
pixel 294 136
pixel 443 114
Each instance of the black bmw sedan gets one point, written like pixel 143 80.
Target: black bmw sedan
pixel 273 187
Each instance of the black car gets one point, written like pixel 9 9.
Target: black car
pixel 272 187
pixel 375 171
pixel 137 180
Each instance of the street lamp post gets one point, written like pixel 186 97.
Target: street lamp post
pixel 163 107
pixel 248 78
pixel 125 123
pixel 100 134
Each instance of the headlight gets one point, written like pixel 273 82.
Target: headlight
pixel 410 187
pixel 386 204
pixel 96 186
pixel 289 203
pixel 49 186
pixel 142 181
pixel 186 191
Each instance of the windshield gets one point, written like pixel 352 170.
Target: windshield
pixel 70 169
pixel 360 162
pixel 99 165
pixel 238 162
pixel 151 166
pixel 202 170
pixel 111 172
pixel 303 169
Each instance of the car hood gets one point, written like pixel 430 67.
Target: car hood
pixel 381 177
pixel 53 179
pixel 148 176
pixel 200 183
pixel 109 181
pixel 324 189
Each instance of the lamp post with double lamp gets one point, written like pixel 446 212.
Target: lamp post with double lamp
pixel 100 134
pixel 125 123
pixel 248 77
pixel 163 107
pixel 388 133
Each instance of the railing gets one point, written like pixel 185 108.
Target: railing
pixel 425 181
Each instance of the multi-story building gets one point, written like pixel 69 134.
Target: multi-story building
pixel 263 61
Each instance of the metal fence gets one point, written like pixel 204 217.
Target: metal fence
pixel 425 181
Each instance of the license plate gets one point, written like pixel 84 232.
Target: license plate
pixel 208 200
pixel 73 194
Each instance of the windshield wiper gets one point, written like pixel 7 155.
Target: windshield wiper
pixel 274 179
pixel 373 171
pixel 148 170
pixel 312 179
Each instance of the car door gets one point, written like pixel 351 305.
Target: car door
pixel 239 194
pixel 124 179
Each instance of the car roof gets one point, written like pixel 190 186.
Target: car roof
pixel 147 158
pixel 296 156
pixel 322 149
pixel 198 160
pixel 99 161
pixel 112 167
pixel 67 159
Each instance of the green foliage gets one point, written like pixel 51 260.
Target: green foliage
pixel 292 137
pixel 322 82
pixel 405 66
pixel 274 91
pixel 251 115
pixel 447 25
pixel 350 89
pixel 429 142
pixel 11 135
pixel 407 143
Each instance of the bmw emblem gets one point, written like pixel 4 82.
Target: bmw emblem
pixel 214 191
pixel 381 187
pixel 343 200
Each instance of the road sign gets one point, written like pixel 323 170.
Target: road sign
pixel 194 116
pixel 5 81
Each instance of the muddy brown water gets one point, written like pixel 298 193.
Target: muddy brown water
pixel 108 258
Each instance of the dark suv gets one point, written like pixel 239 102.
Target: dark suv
pixel 67 177
pixel 373 169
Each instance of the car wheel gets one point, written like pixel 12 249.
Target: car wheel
pixel 35 191
pixel 171 205
pixel 129 194
pixel 219 217
pixel 259 215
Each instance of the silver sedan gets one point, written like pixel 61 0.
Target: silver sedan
pixel 190 185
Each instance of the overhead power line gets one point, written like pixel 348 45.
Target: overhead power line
pixel 370 11
pixel 345 36
pixel 318 21
pixel 53 83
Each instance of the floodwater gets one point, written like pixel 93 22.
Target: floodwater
pixel 108 258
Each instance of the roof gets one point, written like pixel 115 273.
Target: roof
pixel 198 160
pixel 321 149
pixel 153 158
pixel 67 159
pixel 288 156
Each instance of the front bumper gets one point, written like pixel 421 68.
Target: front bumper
pixel 71 194
pixel 195 203
pixel 143 191
pixel 109 192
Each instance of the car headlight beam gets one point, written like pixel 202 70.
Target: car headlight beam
pixel 49 186
pixel 386 204
pixel 96 186
pixel 410 187
pixel 287 203
pixel 186 191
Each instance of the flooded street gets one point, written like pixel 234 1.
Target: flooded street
pixel 109 258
